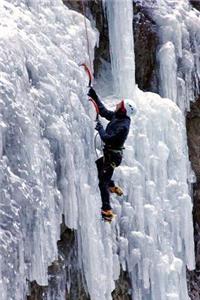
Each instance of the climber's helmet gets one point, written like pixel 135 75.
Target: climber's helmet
pixel 127 106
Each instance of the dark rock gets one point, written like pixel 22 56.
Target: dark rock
pixel 37 292
pixel 94 8
pixel 102 52
pixel 193 130
pixel 64 274
pixel 75 5
pixel 146 42
pixel 123 287
pixel 195 4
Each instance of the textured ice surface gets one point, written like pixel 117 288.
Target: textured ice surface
pixel 178 53
pixel 47 167
pixel 155 221
pixel 122 62
pixel 44 126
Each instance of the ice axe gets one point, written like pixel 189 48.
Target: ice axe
pixel 87 70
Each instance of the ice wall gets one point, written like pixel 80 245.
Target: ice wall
pixel 46 145
pixel 155 218
pixel 178 54
pixel 155 221
pixel 47 166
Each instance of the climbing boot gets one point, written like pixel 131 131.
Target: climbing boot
pixel 107 215
pixel 116 190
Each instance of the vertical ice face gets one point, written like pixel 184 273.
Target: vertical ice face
pixel 178 54
pixel 47 162
pixel 168 65
pixel 46 140
pixel 155 218
pixel 120 18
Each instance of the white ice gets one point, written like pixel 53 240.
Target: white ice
pixel 156 218
pixel 47 166
pixel 122 65
pixel 47 155
pixel 178 52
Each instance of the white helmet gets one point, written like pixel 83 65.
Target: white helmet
pixel 130 107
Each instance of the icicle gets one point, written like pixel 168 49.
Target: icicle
pixel 178 28
pixel 120 18
pixel 168 71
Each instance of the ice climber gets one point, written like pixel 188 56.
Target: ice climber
pixel 113 137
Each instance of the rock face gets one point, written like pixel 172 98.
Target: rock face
pixel 102 52
pixel 146 41
pixel 123 287
pixel 193 131
pixel 195 3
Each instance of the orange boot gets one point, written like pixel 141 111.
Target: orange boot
pixel 116 190
pixel 107 215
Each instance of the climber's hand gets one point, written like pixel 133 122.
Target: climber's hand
pixel 98 126
pixel 92 94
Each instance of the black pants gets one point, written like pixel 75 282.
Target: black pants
pixel 105 167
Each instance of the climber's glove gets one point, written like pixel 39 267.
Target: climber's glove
pixel 92 94
pixel 98 126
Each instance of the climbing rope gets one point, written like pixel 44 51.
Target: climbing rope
pixel 95 145
pixel 86 33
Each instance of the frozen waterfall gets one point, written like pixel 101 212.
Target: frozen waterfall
pixel 156 220
pixel 178 55
pixel 47 162
pixel 47 156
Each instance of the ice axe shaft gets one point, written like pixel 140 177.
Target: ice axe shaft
pixel 87 70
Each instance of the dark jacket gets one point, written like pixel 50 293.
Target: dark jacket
pixel 117 129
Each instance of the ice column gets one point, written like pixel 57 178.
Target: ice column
pixel 168 84
pixel 120 17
